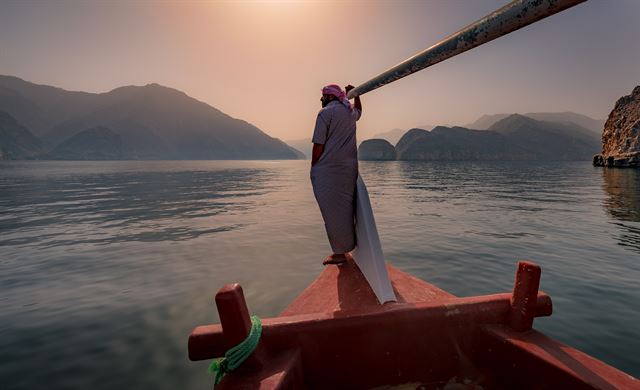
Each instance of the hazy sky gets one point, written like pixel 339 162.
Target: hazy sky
pixel 266 61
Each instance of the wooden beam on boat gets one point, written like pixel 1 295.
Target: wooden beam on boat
pixel 511 17
pixel 282 333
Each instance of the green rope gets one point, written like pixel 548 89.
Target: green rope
pixel 235 356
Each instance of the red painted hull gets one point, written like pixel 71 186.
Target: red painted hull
pixel 335 335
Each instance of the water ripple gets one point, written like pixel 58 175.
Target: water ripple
pixel 100 260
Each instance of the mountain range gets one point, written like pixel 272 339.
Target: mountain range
pixel 157 122
pixel 394 135
pixel 595 125
pixel 515 137
pixel 132 122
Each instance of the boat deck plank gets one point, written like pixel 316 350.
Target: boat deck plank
pixel 344 287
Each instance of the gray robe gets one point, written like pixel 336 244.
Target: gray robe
pixel 334 175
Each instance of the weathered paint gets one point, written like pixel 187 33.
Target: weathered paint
pixel 525 291
pixel 513 16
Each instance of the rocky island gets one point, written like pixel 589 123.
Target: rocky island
pixel 376 150
pixel 621 134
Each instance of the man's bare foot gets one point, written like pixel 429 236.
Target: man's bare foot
pixel 336 258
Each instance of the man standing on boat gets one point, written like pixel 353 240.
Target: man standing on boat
pixel 334 168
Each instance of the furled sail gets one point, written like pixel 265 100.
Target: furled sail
pixel 368 253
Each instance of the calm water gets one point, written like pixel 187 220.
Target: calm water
pixel 105 267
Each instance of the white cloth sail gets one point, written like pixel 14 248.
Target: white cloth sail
pixel 368 253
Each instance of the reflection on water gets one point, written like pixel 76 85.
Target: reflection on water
pixel 131 206
pixel 623 203
pixel 105 267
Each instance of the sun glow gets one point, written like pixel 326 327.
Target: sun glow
pixel 273 11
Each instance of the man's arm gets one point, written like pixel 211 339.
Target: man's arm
pixel 356 102
pixel 316 153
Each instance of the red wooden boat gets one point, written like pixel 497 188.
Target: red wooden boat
pixel 335 335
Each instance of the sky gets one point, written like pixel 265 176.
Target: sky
pixel 266 61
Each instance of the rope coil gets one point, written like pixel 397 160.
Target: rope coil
pixel 235 356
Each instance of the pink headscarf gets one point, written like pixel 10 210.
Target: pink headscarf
pixel 335 90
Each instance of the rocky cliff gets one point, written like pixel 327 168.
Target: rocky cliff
pixel 376 150
pixel 621 134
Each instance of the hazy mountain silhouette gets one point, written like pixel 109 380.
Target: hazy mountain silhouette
pixel 16 141
pixel 549 140
pixel 595 125
pixel 39 107
pixel 515 137
pixel 457 143
pixel 152 122
pixel 303 145
pixel 98 143
pixel 394 135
